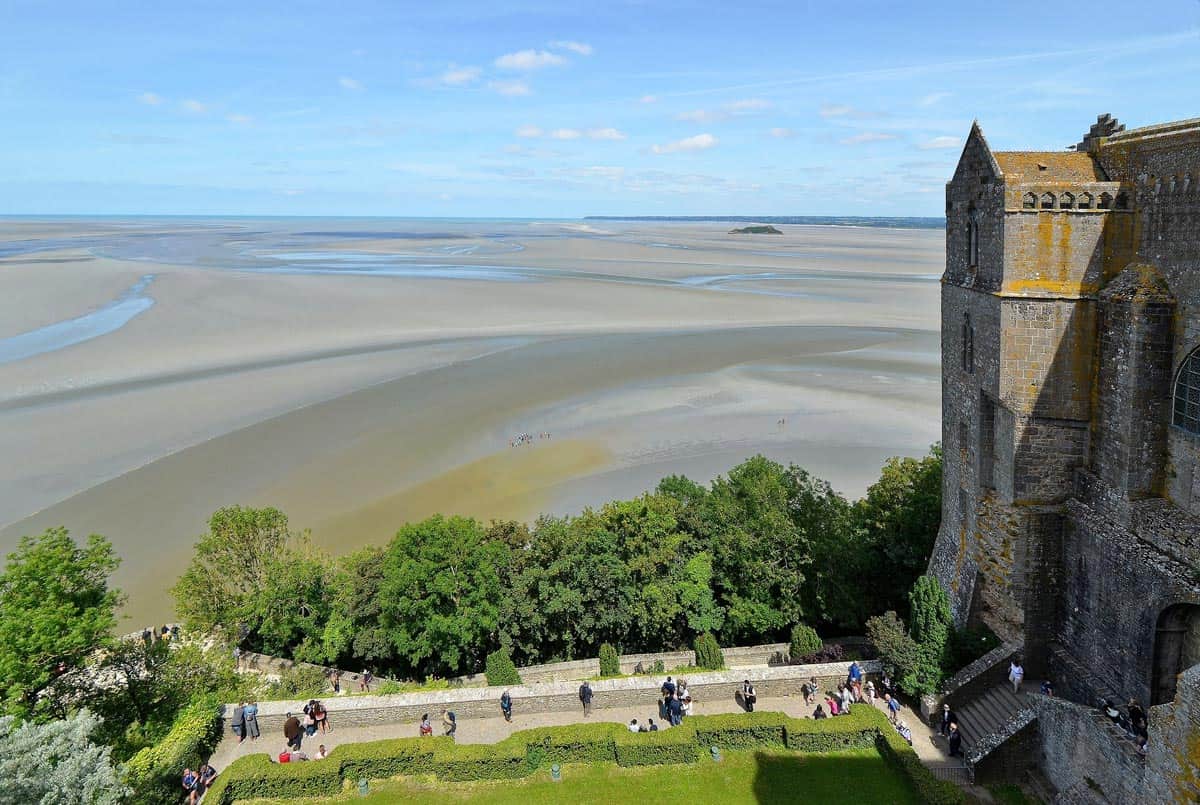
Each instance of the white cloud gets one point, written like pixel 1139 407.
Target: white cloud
pixel 940 142
pixel 582 48
pixel 457 76
pixel 867 137
pixel 606 134
pixel 932 98
pixel 782 132
pixel 529 131
pixel 529 60
pixel 648 99
pixel 748 105
pixel 350 83
pixel 150 99
pixel 835 110
pixel 699 142
pixel 565 134
pixel 194 106
pixel 239 119
pixel 513 88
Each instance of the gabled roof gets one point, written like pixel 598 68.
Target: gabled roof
pixel 1050 166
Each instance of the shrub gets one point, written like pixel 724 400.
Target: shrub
pixel 805 641
pixel 579 743
pixel 300 682
pixel 676 745
pixel 610 661
pixel 830 653
pixel 379 760
pixel 500 670
pixel 466 762
pixel 255 776
pixel 658 667
pixel 928 788
pixel 708 653
pixel 153 773
pixel 741 730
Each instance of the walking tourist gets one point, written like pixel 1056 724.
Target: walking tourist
pixel 955 740
pixel 364 682
pixel 948 717
pixel 893 706
pixel 808 691
pixel 426 727
pixel 674 711
pixel 293 732
pixel 1137 718
pixel 335 679
pixel 585 697
pixel 449 723
pixel 506 705
pixel 238 722
pixel 1015 674
pixel 251 714
pixel 869 688
pixel 749 696
pixel 319 715
pixel 855 673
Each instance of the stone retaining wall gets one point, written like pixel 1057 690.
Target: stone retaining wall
pixel 549 697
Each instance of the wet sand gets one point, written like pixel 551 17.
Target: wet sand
pixel 355 403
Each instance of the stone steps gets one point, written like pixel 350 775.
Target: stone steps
pixel 988 714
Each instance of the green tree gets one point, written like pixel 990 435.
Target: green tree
pixel 56 763
pixel 353 633
pixel 568 592
pixel 898 521
pixel 930 626
pixel 804 641
pixel 253 577
pixel 440 595
pixel 56 610
pixel 708 653
pixel 610 661
pixel 897 650
pixel 500 670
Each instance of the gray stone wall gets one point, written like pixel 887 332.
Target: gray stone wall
pixel 1079 750
pixel 553 697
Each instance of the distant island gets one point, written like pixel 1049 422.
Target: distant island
pixel 760 229
pixel 894 222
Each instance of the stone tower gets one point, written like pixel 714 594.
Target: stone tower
pixel 1071 408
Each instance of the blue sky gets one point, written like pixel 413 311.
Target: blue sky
pixel 555 108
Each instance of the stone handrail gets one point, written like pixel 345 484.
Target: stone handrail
pixel 563 696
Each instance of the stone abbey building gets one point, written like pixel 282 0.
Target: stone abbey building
pixel 1071 434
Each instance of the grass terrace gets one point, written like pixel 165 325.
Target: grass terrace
pixel 766 757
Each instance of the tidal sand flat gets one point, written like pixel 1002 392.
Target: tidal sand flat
pixel 359 374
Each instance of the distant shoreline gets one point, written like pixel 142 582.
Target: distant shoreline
pixel 801 220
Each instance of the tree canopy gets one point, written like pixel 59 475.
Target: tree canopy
pixel 56 609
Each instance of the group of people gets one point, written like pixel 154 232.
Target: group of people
pixel 151 635
pixel 855 690
pixel 676 704
pixel 526 438
pixel 245 721
pixel 449 723
pixel 196 782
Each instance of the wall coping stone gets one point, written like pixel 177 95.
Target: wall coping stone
pixel 436 699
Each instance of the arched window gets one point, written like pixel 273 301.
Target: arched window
pixel 1187 394
pixel 1122 201
pixel 1047 201
pixel 1029 201
pixel 1066 201
pixel 1085 201
pixel 973 237
pixel 968 345
pixel 1176 649
pixel 1105 201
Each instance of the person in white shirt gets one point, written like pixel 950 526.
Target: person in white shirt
pixel 633 726
pixel 1015 674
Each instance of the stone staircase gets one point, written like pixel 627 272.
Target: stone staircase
pixel 988 720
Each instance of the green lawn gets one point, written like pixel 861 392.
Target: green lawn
pixel 861 777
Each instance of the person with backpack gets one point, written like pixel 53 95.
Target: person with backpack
pixel 449 722
pixel 506 705
pixel 585 697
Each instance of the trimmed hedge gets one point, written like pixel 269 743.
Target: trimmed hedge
pixel 708 653
pixel 610 661
pixel 805 641
pixel 153 773
pixel 523 752
pixel 742 730
pixel 675 745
